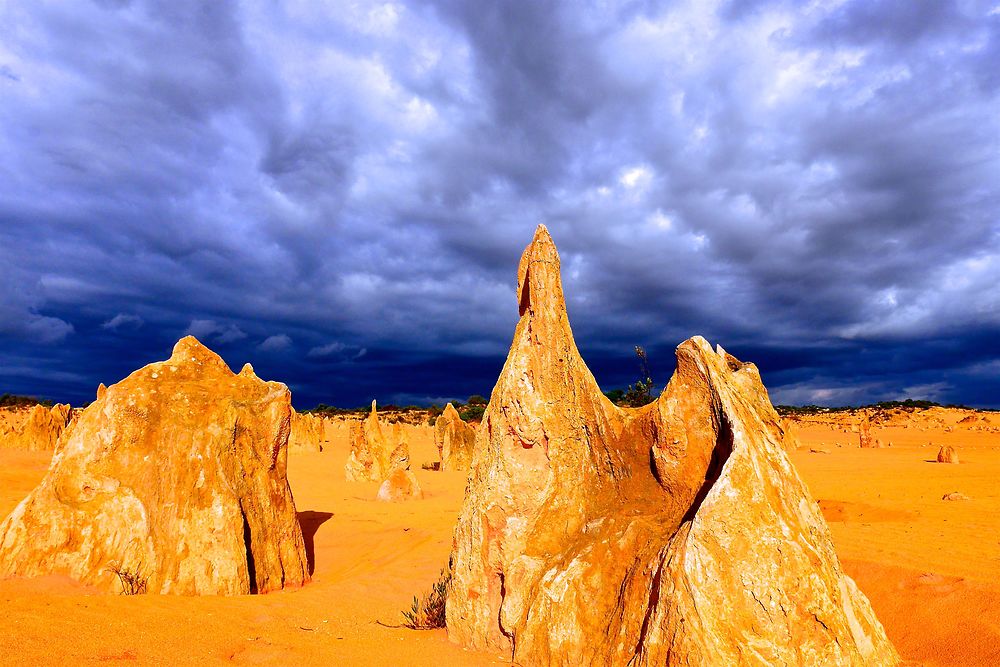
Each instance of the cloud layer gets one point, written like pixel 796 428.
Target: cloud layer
pixel 340 195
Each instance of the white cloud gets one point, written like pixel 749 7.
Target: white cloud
pixel 275 343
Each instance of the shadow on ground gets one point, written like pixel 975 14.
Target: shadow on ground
pixel 310 522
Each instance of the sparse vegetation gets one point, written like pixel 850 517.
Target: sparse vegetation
pixel 433 413
pixel 640 393
pixel 470 412
pixel 133 581
pixel 908 404
pixel 427 613
pixel 18 401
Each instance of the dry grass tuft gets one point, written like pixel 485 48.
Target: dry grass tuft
pixel 133 581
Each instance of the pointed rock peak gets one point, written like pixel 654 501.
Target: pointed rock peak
pixel 374 411
pixel 539 285
pixel 247 371
pixel 101 389
pixel 190 350
pixel 450 412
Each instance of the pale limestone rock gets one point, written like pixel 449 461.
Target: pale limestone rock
pixel 400 486
pixel 375 452
pixel 177 472
pixel 865 437
pixel 454 439
pixel 36 429
pixel 673 534
pixel 307 433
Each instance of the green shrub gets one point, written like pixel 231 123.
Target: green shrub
pixel 427 613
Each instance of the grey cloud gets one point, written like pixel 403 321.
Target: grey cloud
pixel 210 330
pixel 806 186
pixel 123 320
pixel 276 343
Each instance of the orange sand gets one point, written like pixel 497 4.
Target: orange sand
pixel 930 567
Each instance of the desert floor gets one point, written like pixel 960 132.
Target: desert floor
pixel 930 567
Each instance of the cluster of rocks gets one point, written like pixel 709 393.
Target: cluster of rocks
pixel 35 429
pixel 382 455
pixel 307 434
pixel 866 439
pixel 674 534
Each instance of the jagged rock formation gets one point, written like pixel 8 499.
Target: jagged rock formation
pixel 673 534
pixel 401 485
pixel 178 473
pixel 306 434
pixel 947 454
pixel 865 437
pixel 454 439
pixel 375 454
pixel 39 429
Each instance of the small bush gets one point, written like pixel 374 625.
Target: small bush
pixel 427 613
pixel 133 581
pixel 472 413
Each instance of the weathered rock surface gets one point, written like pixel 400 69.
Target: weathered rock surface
pixel 178 473
pixel 307 433
pixel 400 486
pixel 673 534
pixel 947 454
pixel 866 439
pixel 955 495
pixel 36 429
pixel 454 439
pixel 376 452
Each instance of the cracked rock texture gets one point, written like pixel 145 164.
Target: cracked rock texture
pixel 376 452
pixel 177 473
pixel 673 534
pixel 454 439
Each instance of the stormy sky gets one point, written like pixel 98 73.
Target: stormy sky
pixel 339 192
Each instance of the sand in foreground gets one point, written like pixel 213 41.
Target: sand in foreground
pixel 930 567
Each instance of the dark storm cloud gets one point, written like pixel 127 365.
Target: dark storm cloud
pixel 340 195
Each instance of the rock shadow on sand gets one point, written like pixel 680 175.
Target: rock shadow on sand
pixel 310 521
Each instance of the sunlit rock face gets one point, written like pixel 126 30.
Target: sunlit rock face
pixel 454 439
pixel 177 473
pixel 376 451
pixel 677 533
pixel 37 430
